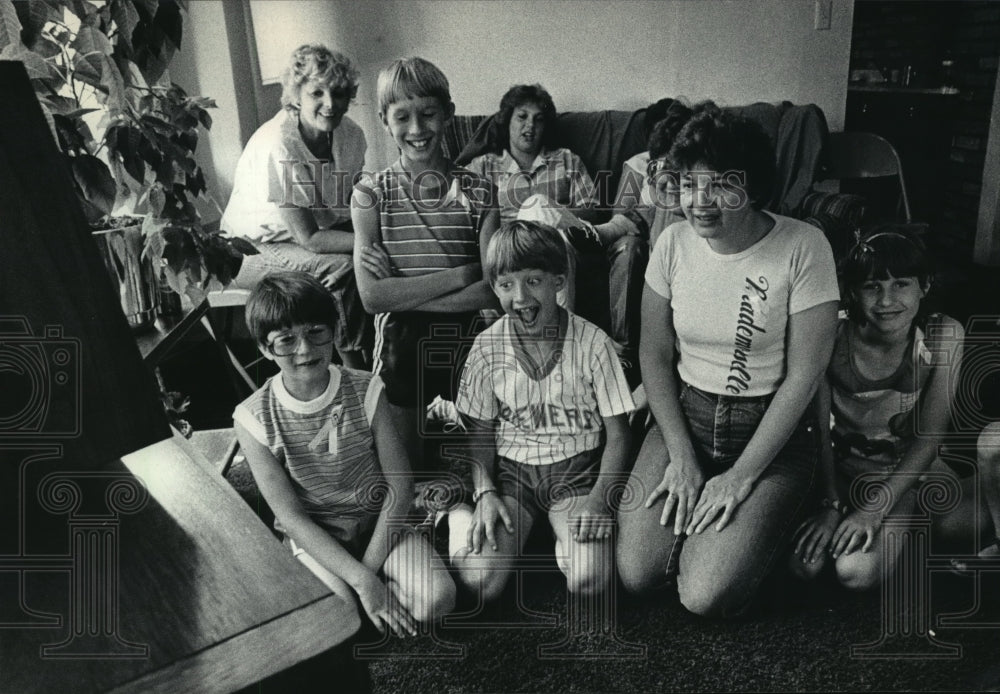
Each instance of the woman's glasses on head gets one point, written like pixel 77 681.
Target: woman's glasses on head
pixel 285 344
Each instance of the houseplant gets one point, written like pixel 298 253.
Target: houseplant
pixel 127 133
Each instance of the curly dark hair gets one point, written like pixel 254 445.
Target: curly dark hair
pixel 727 142
pixel 517 95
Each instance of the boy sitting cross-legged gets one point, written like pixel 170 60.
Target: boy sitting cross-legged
pixel 323 450
pixel 545 402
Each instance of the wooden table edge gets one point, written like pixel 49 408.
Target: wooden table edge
pixel 256 653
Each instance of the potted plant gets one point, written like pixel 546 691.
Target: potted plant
pixel 128 135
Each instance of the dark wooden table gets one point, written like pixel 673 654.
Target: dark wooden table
pixel 172 586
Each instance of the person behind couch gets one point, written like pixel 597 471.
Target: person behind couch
pixel 322 446
pixel 545 403
pixel 291 190
pixel 421 230
pixel 747 303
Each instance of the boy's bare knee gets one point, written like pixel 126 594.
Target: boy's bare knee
pixel 439 601
pixel 857 571
pixel 486 582
pixel 988 449
pixel 588 582
pixel 805 571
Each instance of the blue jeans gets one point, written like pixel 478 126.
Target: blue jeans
pixel 717 572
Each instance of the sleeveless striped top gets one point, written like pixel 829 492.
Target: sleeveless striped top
pixel 326 446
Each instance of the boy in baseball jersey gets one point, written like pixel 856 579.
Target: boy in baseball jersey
pixel 546 404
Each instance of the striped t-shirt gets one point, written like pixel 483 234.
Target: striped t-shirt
pixel 326 446
pixel 544 420
pixel 426 237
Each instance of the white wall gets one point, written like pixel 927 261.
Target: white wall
pixel 590 54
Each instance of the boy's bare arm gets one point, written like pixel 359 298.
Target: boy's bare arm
pixel 302 225
pixel 277 490
pixel 394 460
pixel 477 295
pixel 381 294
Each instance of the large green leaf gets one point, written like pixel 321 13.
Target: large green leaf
pixel 94 180
pixel 92 47
pixel 10 25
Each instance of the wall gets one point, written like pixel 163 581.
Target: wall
pixel 589 54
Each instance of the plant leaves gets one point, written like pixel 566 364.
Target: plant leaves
pixel 36 66
pixel 111 80
pixel 94 180
pixel 123 143
pixel 33 16
pixel 91 48
pixel 10 25
pixel 126 17
pixel 169 21
pixel 157 200
pixel 242 245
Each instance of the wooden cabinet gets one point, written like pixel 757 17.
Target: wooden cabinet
pixel 918 124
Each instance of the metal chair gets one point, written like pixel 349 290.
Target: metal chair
pixel 859 155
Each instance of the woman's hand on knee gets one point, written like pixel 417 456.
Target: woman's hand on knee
pixel 682 482
pixel 813 537
pixel 489 510
pixel 856 531
pixel 721 495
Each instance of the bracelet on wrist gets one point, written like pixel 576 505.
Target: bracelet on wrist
pixel 480 493
pixel 834 504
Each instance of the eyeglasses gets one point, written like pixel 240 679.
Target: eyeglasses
pixel 284 345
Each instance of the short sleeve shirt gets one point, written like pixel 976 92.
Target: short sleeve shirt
pixel 730 312
pixel 277 168
pixel 540 422
pixel 557 174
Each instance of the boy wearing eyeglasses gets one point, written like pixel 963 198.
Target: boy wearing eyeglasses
pixel 324 452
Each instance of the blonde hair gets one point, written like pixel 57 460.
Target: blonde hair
pixel 410 78
pixel 314 61
pixel 525 245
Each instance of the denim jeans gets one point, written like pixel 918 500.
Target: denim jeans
pixel 717 572
pixel 353 329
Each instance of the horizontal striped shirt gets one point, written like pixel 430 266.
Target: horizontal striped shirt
pixel 325 445
pixel 425 237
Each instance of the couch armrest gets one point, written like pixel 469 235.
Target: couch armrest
pixel 837 215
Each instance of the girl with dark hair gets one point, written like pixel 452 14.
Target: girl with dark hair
pixel 738 318
pixel 890 387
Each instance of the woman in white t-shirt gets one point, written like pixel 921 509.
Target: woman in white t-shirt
pixel 738 318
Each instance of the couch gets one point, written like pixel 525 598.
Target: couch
pixel 604 140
